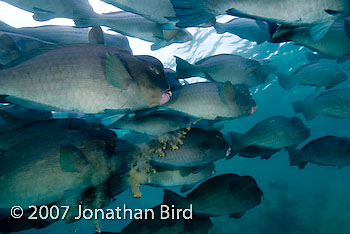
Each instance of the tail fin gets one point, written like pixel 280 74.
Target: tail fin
pixel 172 198
pixel 160 44
pixel 219 28
pixel 302 107
pixel 191 13
pixel 84 20
pixel 238 142
pixel 184 69
pixel 296 158
pixel 118 184
pixel 124 152
pixel 286 81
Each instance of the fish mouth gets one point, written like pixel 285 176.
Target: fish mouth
pixel 253 110
pixel 165 97
pixel 228 152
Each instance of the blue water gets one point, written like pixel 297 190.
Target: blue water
pixel 318 198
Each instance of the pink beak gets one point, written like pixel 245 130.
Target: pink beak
pixel 165 97
pixel 253 110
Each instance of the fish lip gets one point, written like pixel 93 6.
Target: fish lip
pixel 228 152
pixel 166 97
pixel 253 110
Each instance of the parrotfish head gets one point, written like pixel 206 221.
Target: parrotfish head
pixel 302 131
pixel 248 189
pixel 341 77
pixel 244 99
pixel 151 81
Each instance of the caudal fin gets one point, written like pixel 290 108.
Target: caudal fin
pixel 184 69
pixel 172 198
pixel 286 81
pixel 219 28
pixel 118 184
pixel 191 12
pixel 296 158
pixel 309 112
pixel 125 152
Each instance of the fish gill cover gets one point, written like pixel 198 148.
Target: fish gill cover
pixel 174 116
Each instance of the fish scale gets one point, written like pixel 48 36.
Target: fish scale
pixel 203 100
pixel 79 84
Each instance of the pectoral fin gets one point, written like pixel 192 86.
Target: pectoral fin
pixel 319 31
pixel 6 43
pixel 227 93
pixel 72 159
pixel 116 72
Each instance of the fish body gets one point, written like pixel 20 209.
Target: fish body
pixel 325 151
pixel 30 130
pixel 249 29
pixel 335 43
pixel 154 124
pixel 48 9
pixel 47 169
pixel 134 25
pixel 158 11
pixel 85 78
pixel 314 74
pixel 198 147
pixel 212 100
pixel 334 103
pixel 273 133
pixel 63 35
pixel 226 194
pixel 165 177
pixel 318 14
pixel 224 67
pixel 14 46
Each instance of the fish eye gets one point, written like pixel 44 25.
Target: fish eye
pixel 154 70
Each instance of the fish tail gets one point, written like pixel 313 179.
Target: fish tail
pixel 219 28
pixel 84 20
pixel 118 184
pixel 191 13
pixel 286 81
pixel 184 69
pixel 124 153
pixel 302 107
pixel 172 198
pixel 296 158
pixel 237 142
